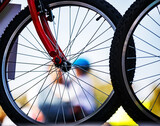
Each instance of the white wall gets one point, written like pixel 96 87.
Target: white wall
pixel 120 5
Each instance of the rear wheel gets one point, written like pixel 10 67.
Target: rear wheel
pixel 139 90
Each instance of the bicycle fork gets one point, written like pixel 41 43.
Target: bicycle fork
pixel 47 38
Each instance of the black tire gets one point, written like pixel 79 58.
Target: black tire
pixel 132 74
pixel 15 30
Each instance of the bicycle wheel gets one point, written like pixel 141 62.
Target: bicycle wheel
pixel 139 83
pixel 83 29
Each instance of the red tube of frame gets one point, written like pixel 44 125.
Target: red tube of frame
pixel 34 14
pixel 49 43
pixel 4 5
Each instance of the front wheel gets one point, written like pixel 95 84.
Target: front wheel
pixel 30 90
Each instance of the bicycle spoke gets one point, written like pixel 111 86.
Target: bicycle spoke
pixel 28 63
pixel 87 51
pixel 153 19
pixel 155 101
pixel 147 86
pixel 144 57
pixel 61 105
pixel 145 78
pixel 31 70
pixel 37 50
pixel 27 71
pixel 149 30
pixel 74 116
pixel 90 41
pixel 100 71
pixel 33 45
pixel 90 85
pixel 158 10
pixel 38 42
pixel 40 92
pixel 78 79
pixel 83 90
pixel 143 51
pixel 105 66
pixel 77 98
pixel 81 29
pixel 71 33
pixel 70 43
pixel 144 65
pixel 99 61
pixel 53 95
pixel 27 82
pixel 45 98
pixel 147 42
pixel 32 86
pixel 150 93
pixel 90 50
pixel 31 56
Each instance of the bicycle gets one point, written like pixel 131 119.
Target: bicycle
pixel 135 61
pixel 69 30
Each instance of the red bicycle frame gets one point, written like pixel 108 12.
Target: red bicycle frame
pixel 43 30
pixel 44 33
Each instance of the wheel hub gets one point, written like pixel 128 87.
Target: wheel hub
pixel 62 64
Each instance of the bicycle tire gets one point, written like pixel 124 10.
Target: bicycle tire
pixel 136 89
pixel 15 30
